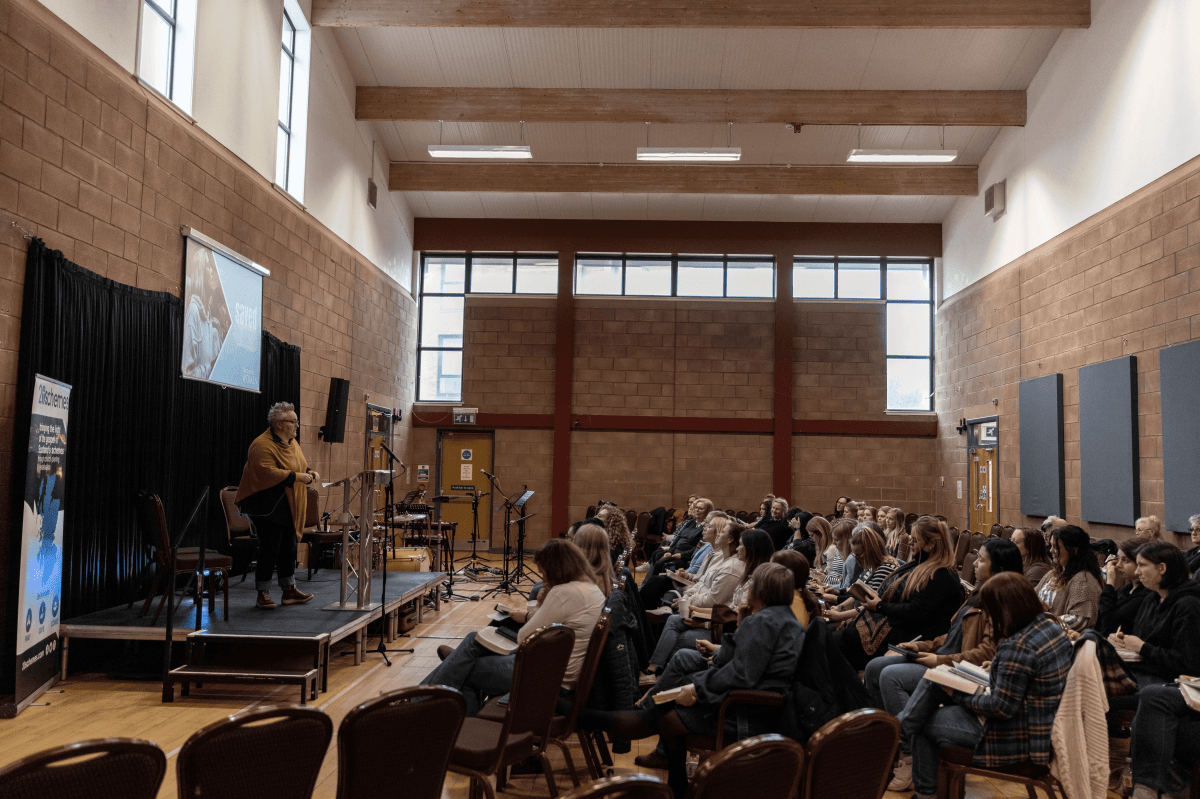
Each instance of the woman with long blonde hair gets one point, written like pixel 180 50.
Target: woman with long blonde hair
pixel 897 539
pixel 592 539
pixel 920 598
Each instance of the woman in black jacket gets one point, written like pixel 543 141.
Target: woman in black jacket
pixel 1166 632
pixel 920 598
pixel 775 524
pixel 1119 606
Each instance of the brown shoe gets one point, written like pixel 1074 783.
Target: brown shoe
pixel 651 760
pixel 294 596
pixel 264 600
pixel 444 651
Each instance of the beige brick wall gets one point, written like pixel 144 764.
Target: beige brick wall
pixel 99 169
pixel 508 354
pixel 1125 282
pixel 840 367
pixel 898 472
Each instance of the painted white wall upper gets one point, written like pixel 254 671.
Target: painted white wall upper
pixel 339 163
pixel 237 77
pixel 1113 108
pixel 111 25
pixel 236 101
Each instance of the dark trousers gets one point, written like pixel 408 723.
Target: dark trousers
pixel 653 588
pixel 276 553
pixel 1165 745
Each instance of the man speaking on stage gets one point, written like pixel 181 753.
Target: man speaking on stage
pixel 268 495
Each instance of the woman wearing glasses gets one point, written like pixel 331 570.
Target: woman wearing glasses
pixel 275 504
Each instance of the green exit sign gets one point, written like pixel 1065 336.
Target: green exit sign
pixel 465 415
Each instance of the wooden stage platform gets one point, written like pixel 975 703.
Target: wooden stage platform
pixel 311 620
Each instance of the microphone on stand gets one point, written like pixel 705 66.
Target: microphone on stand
pixel 486 473
pixel 388 450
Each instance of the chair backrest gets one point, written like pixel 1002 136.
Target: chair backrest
pixel 642 527
pixel 772 764
pixel 867 738
pixel 631 519
pixel 538 671
pixel 271 752
pixel 995 530
pixel 1006 531
pixel 591 664
pixel 235 522
pixel 962 548
pixel 591 511
pixel 420 722
pixel 152 523
pixel 629 786
pixel 909 518
pixel 121 768
pixel 977 541
pixel 967 572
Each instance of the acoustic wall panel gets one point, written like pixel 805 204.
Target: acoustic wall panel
pixel 1179 382
pixel 1108 442
pixel 1043 451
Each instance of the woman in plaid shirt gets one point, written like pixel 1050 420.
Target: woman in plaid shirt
pixel 1011 722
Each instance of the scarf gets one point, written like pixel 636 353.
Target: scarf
pixel 873 627
pixel 268 463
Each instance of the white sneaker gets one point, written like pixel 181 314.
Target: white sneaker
pixel 645 567
pixel 902 776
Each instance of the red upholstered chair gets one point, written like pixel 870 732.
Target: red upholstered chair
pixel 630 786
pixel 152 526
pixel 766 766
pixel 867 738
pixel 955 763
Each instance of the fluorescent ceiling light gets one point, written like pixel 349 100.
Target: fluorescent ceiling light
pixel 479 151
pixel 902 156
pixel 689 153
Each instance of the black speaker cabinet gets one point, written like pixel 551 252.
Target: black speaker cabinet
pixel 334 430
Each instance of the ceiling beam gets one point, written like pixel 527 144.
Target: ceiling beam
pixel 705 13
pixel 962 181
pixel 685 106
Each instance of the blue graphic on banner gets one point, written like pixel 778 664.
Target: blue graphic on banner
pixel 238 363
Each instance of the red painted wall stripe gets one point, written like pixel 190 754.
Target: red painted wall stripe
pixel 564 367
pixel 785 309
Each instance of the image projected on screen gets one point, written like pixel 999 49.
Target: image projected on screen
pixel 222 318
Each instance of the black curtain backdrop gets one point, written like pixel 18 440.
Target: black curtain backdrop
pixel 135 423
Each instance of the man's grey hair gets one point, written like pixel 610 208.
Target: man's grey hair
pixel 1193 519
pixel 279 409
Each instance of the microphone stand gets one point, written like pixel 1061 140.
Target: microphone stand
pixel 388 515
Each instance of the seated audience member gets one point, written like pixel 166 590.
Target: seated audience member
pixel 918 599
pixel 804 605
pixel 807 548
pixel 1166 631
pixel 1032 545
pixel 678 553
pixel 821 533
pixel 569 535
pixel 1010 724
pixel 1051 524
pixel 797 520
pixel 850 511
pixel 570 596
pixel 776 525
pixel 1148 527
pixel 761 656
pixel 1071 590
pixel 871 561
pixel 1119 606
pixel 897 685
pixel 764 509
pixel 1193 555
pixel 617 528
pixel 715 587
pixel 593 542
pixel 1165 745
pixel 894 534
pixel 840 506
pixel 867 513
pixel 838 553
pixel 703 558
pixel 754 549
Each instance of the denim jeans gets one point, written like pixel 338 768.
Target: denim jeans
pixel 676 636
pixel 949 726
pixel 908 696
pixel 871 674
pixel 1165 745
pixel 476 671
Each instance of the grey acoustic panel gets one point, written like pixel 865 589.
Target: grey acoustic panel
pixel 1108 442
pixel 1043 451
pixel 1179 384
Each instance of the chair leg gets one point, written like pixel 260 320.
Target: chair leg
pixel 477 779
pixel 602 745
pixel 589 754
pixel 566 750
pixel 548 770
pixel 225 585
pixel 153 591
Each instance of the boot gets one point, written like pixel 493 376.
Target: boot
pixel 264 600
pixel 444 651
pixel 653 759
pixel 294 596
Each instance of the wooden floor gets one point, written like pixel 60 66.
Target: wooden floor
pixel 94 706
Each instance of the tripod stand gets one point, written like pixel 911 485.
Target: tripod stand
pixel 513 573
pixel 389 521
pixel 473 562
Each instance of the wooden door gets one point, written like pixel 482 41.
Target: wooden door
pixel 462 457
pixel 982 480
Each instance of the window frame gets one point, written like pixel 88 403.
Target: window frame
pixel 180 18
pixel 172 20
pixel 675 259
pixel 291 99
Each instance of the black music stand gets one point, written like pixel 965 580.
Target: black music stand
pixel 388 522
pixel 523 571
pixel 514 573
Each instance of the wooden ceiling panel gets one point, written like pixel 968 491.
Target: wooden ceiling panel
pixel 705 14
pixel 683 179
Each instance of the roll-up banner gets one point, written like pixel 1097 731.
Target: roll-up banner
pixel 40 591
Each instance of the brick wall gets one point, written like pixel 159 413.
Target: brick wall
pixel 880 470
pixel 840 367
pixel 102 170
pixel 508 354
pixel 1125 282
